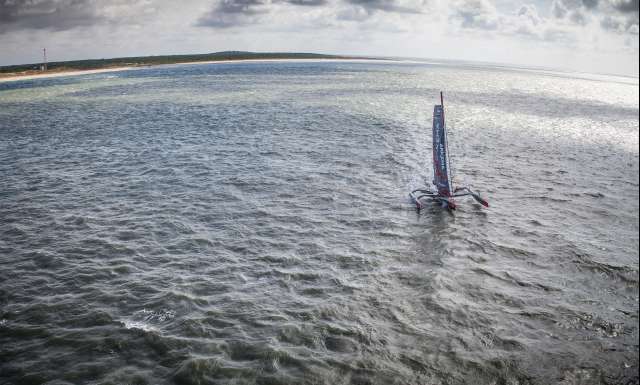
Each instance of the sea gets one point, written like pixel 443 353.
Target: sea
pixel 249 223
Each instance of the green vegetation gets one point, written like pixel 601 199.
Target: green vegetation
pixel 156 60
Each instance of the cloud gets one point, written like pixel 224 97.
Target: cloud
pixel 480 16
pixel 528 22
pixel 626 6
pixel 573 11
pixel 568 23
pixel 233 13
pixel 62 15
pixel 579 17
pixel 230 13
pixel 618 16
pixel 389 5
pixel 628 9
pixel 590 4
pixel 477 14
pixel 57 15
pixel 241 6
pixel 311 3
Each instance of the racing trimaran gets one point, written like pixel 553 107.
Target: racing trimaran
pixel 444 192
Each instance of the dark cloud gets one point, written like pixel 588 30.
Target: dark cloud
pixel 619 24
pixel 561 7
pixel 572 8
pixel 626 6
pixel 249 6
pixel 56 15
pixel 619 16
pixel 240 6
pixel 311 3
pixel 61 15
pixel 624 19
pixel 384 5
pixel 232 13
pixel 590 4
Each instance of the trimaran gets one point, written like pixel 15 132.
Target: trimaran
pixel 444 192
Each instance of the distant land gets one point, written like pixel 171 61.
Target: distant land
pixel 137 61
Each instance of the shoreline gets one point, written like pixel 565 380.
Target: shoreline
pixel 18 77
pixel 73 72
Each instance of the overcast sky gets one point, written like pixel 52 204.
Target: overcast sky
pixel 585 35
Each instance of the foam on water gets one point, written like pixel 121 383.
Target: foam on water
pixel 249 223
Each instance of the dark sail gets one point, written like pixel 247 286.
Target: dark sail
pixel 440 156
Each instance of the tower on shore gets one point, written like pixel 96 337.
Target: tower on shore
pixel 43 67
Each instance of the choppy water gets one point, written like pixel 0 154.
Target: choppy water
pixel 249 223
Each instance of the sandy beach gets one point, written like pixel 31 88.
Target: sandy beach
pixel 17 77
pixel 31 76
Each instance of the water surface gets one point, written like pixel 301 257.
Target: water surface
pixel 248 223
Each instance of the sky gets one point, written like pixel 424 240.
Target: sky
pixel 597 36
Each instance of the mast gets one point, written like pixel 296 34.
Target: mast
pixel 446 141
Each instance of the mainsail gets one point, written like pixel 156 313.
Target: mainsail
pixel 440 157
pixel 445 194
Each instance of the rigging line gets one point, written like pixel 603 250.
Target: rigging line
pixel 451 168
